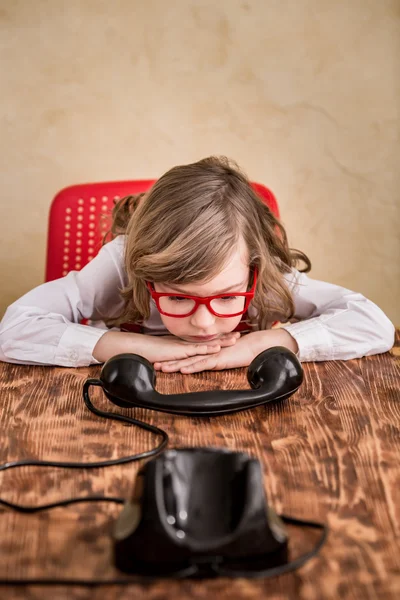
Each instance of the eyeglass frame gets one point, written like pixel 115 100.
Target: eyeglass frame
pixel 204 300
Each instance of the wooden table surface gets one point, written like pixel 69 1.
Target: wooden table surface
pixel 329 453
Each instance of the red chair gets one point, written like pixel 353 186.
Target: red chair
pixel 80 215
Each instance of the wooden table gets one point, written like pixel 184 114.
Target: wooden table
pixel 329 453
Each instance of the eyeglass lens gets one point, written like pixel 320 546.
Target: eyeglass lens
pixel 227 305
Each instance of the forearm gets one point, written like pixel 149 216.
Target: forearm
pixel 343 335
pixel 31 335
pixel 273 337
pixel 334 323
pixel 153 348
pixel 118 342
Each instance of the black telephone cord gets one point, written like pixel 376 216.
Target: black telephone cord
pixel 186 572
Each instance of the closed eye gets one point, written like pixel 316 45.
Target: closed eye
pixel 177 298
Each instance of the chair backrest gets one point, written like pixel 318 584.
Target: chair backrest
pixel 80 215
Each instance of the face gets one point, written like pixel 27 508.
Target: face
pixel 202 325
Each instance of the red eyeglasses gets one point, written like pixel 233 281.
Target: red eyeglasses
pixel 221 305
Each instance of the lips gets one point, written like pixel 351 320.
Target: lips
pixel 203 338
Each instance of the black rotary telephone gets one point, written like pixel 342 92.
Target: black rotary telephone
pixel 128 380
pixel 195 512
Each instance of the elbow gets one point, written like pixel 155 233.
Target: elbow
pixel 3 335
pixel 3 341
pixel 11 336
pixel 372 328
pixel 388 336
pixel 384 333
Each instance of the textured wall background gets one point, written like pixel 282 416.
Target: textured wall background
pixel 304 94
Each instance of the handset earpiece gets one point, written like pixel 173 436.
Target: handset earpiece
pixel 125 376
pixel 128 380
pixel 276 366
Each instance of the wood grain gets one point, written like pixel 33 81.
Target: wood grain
pixel 329 453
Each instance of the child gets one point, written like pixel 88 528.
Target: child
pixel 200 232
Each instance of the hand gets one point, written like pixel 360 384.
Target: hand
pixel 157 348
pixel 239 355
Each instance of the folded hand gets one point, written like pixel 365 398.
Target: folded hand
pixel 237 355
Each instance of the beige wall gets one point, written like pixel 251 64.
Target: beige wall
pixel 304 94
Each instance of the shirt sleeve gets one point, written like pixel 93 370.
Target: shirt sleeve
pixel 335 323
pixel 43 326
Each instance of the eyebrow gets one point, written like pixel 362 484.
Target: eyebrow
pixel 228 289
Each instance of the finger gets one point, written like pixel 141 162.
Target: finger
pixel 188 352
pixel 231 335
pixel 188 343
pixel 175 365
pixel 229 341
pixel 205 364
pixel 201 349
pixel 197 364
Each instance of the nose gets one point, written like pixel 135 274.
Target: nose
pixel 202 318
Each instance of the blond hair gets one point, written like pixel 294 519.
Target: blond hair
pixel 184 230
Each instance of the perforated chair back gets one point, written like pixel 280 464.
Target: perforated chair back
pixel 80 215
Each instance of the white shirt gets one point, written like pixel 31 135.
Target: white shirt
pixel 43 327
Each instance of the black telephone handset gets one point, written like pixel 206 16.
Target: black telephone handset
pixel 128 380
